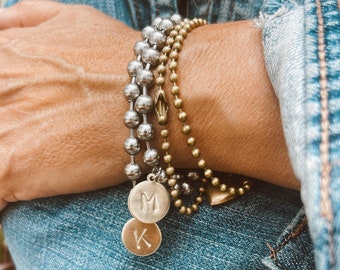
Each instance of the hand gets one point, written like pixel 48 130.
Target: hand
pixel 61 103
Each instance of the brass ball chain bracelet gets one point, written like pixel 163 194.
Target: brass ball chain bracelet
pixel 149 200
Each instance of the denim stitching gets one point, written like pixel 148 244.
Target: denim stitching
pixel 295 233
pixel 326 204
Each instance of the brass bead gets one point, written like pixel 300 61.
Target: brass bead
pixel 159 81
pixel 183 210
pixel 232 191
pixel 200 21
pixel 173 33
pixel 175 90
pixel 172 182
pixel 201 190
pixel 161 69
pixel 173 77
pixel 182 24
pixel 174 193
pixel 179 38
pixel 173 55
pixel 223 187
pixel 178 103
pixel 208 173
pixel 194 207
pixel 186 129
pixel 178 203
pixel 183 32
pixel 215 181
pixel 162 119
pixel 188 211
pixel 170 171
pixel 246 187
pixel 166 49
pixel 170 41
pixel 204 180
pixel 187 27
pixel 192 24
pixel 163 58
pixel 182 116
pixel 167 158
pixel 177 46
pixel 201 163
pixel 191 141
pixel 241 191
pixel 173 65
pixel 164 133
pixel 199 199
pixel 165 146
pixel 178 27
pixel 196 153
pixel 195 21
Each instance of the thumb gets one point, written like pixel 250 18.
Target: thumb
pixel 28 13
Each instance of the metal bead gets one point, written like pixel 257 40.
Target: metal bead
pixel 160 81
pixel 223 187
pixel 173 34
pixel 179 38
pixel 187 27
pixel 144 77
pixel 131 119
pixel 178 177
pixel 165 146
pixel 191 141
pixel 145 131
pixel 131 91
pixel 173 77
pixel 140 46
pixel 147 31
pixel 178 27
pixel 246 187
pixel 199 199
pixel 232 191
pixel 162 177
pixel 183 209
pixel 186 188
pixel 174 193
pixel 178 203
pixel 161 69
pixel 189 211
pixel 176 18
pixel 166 50
pixel 215 181
pixel 150 56
pixel 195 153
pixel 166 25
pixel 202 163
pixel 163 59
pixel 183 32
pixel 194 207
pixel 170 41
pixel 133 67
pixel 133 171
pixel 241 191
pixel 193 176
pixel 175 90
pixel 170 170
pixel 144 104
pixel 167 158
pixel 164 133
pixel 201 190
pixel 156 22
pixel 195 21
pixel 186 129
pixel 157 38
pixel 173 55
pixel 182 116
pixel 177 46
pixel 151 157
pixel 132 146
pixel 208 173
pixel 172 182
pixel 192 24
pixel 173 65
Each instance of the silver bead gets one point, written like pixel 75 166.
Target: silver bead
pixel 178 177
pixel 132 146
pixel 156 22
pixel 145 131
pixel 131 119
pixel 162 177
pixel 147 31
pixel 166 25
pixel 144 77
pixel 193 176
pixel 176 18
pixel 133 171
pixel 186 188
pixel 178 188
pixel 144 104
pixel 157 38
pixel 150 56
pixel 133 67
pixel 140 46
pixel 151 157
pixel 131 91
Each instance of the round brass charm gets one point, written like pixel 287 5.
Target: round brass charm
pixel 140 238
pixel 149 201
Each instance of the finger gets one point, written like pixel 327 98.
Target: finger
pixel 28 13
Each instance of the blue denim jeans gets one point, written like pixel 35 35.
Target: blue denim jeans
pixel 264 229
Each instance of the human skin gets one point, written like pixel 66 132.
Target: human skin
pixel 61 102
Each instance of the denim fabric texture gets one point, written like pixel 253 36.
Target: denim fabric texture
pixel 83 231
